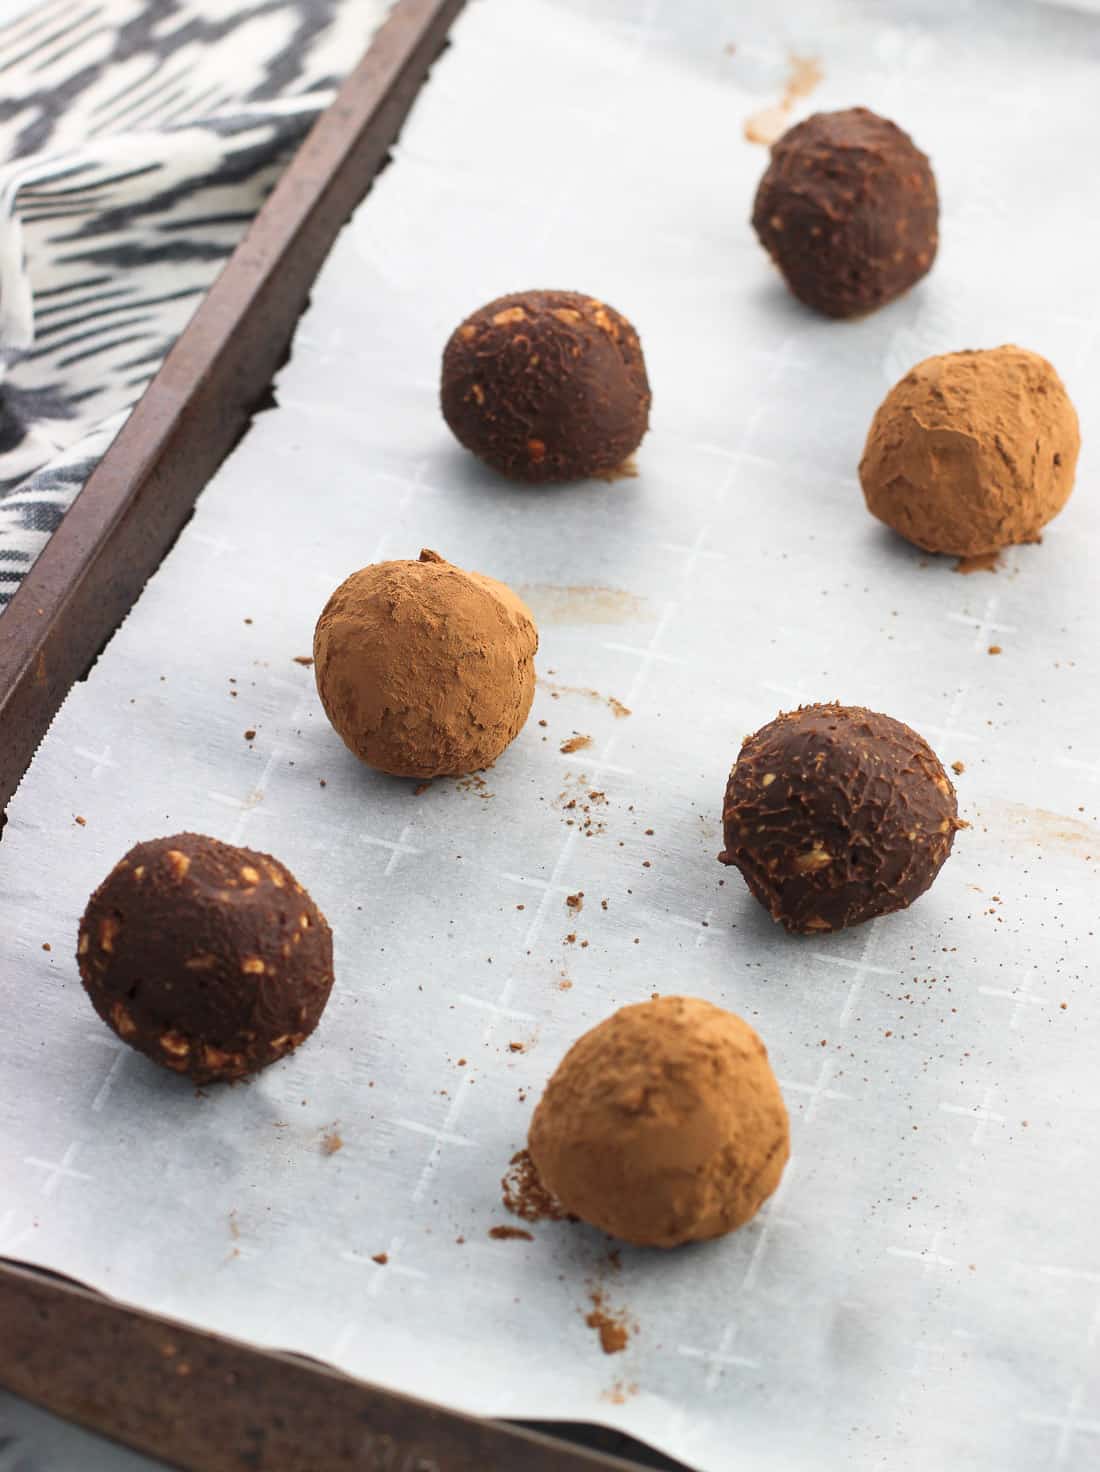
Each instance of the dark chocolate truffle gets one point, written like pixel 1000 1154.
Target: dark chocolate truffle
pixel 546 386
pixel 848 211
pixel 209 959
pixel 835 814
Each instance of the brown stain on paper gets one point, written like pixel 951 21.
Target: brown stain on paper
pixel 617 708
pixel 770 123
pixel 552 603
pixel 1016 823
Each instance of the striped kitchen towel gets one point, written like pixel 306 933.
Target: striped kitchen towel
pixel 140 138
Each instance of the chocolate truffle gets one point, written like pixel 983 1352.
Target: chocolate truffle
pixel 211 960
pixel 834 815
pixel 972 451
pixel 848 211
pixel 425 670
pixel 663 1125
pixel 546 386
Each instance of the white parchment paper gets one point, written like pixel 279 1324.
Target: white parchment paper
pixel 924 1291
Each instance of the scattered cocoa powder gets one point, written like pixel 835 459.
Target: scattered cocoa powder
pixel 382 1258
pixel 995 649
pixel 575 901
pixel 618 709
pixel 524 1195
pixel 305 660
pixel 575 743
pixel 46 945
pixel 331 1142
pixel 250 735
pixel 958 768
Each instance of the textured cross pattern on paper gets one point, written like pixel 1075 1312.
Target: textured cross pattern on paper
pixel 931 1248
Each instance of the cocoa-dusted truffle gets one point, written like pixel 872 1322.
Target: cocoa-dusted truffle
pixel 209 959
pixel 663 1125
pixel 546 386
pixel 835 814
pixel 425 670
pixel 972 451
pixel 848 211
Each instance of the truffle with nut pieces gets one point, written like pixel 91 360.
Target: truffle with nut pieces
pixel 211 960
pixel 546 386
pixel 835 814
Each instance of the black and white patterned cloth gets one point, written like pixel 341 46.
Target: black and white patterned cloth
pixel 138 139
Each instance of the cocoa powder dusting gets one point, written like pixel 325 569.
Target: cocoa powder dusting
pixel 575 743
pixel 510 1234
pixel 524 1195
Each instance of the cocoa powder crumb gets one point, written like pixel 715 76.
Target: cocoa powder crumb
pixel 575 743
pixel 524 1195
pixel 575 901
pixel 958 768
pixel 609 1324
pixel 46 945
pixel 305 660
pixel 420 789
pixel 250 735
pixel 995 649
pixel 330 1143
pixel 510 1234
pixel 82 822
pixel 517 1047
pixel 381 1258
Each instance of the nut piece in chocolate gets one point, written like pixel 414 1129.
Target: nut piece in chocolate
pixel 211 960
pixel 835 814
pixel 546 386
pixel 848 211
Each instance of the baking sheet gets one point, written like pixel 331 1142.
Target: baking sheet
pixel 924 1290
